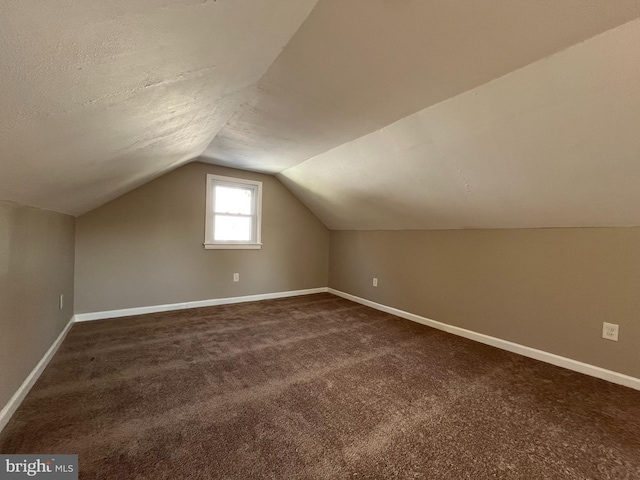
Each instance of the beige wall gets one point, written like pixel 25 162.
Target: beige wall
pixel 145 248
pixel 36 266
pixel 550 289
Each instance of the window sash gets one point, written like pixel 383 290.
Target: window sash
pixel 256 206
pixel 251 188
pixel 252 226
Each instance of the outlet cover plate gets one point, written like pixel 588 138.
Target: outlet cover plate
pixel 610 331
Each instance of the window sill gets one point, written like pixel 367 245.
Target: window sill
pixel 232 246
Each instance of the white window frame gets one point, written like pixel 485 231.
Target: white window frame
pixel 209 235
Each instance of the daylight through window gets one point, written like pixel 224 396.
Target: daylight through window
pixel 233 213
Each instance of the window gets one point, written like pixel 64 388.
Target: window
pixel 234 208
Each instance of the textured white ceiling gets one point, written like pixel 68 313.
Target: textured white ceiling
pixel 355 66
pixel 555 143
pixel 98 97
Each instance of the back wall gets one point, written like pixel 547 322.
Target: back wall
pixel 146 248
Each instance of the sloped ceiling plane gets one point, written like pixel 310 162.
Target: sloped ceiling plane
pixel 377 114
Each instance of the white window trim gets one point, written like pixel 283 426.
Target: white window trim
pixel 209 242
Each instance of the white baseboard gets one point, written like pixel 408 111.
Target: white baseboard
pixel 15 401
pixel 127 312
pixel 541 355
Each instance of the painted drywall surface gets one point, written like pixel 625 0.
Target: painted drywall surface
pixel 554 144
pixel 100 97
pixel 549 289
pixel 36 266
pixel 355 66
pixel 146 247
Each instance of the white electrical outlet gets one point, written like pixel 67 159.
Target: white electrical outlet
pixel 61 301
pixel 236 277
pixel 375 282
pixel 610 331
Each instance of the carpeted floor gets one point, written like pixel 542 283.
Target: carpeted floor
pixel 316 387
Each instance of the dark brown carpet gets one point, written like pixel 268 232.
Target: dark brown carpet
pixel 316 387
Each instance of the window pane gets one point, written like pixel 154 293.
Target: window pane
pixel 229 228
pixel 233 200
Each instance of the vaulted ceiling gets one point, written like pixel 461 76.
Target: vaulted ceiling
pixel 554 144
pixel 98 97
pixel 378 114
